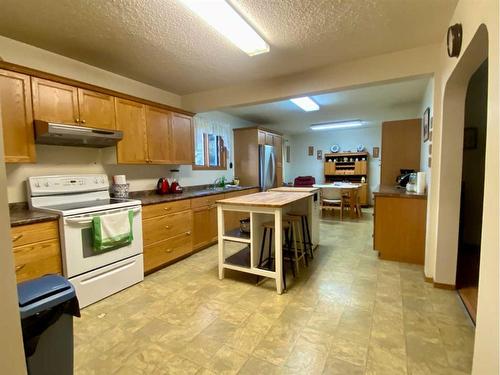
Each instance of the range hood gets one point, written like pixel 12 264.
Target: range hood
pixel 50 133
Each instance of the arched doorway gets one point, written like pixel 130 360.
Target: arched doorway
pixel 452 154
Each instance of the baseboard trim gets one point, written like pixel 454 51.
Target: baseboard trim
pixel 444 286
pixel 439 285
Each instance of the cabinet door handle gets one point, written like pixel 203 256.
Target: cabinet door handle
pixel 167 226
pixel 167 208
pixel 83 121
pixel 188 233
pixel 18 237
pixel 77 120
pixel 20 267
pixel 168 251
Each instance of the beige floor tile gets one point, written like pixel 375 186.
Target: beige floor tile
pixel 227 361
pixel 336 366
pixel 256 366
pixel 347 313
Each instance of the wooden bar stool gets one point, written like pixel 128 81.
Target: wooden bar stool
pixel 296 237
pixel 269 228
pixel 306 234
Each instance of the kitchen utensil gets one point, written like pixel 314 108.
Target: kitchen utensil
pixel 162 186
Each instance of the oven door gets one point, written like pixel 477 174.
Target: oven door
pixel 77 250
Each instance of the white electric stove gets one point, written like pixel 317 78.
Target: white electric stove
pixel 77 199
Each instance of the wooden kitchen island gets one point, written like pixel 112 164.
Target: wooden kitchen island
pixel 261 208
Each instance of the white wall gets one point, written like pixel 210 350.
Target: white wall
pixel 424 149
pixel 480 23
pixel 11 344
pixel 304 165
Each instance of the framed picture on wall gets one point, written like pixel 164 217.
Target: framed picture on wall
pixel 310 151
pixel 319 155
pixel 426 121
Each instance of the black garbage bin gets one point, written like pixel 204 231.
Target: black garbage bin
pixel 47 306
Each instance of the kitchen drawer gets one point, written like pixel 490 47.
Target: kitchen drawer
pixel 37 259
pixel 161 209
pixel 161 253
pixel 206 201
pixel 163 227
pixel 31 233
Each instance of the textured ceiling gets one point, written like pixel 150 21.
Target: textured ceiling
pixel 161 43
pixel 370 104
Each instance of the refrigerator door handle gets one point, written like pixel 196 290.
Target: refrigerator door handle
pixel 273 173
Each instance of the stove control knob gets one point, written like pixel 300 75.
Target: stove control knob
pixel 102 180
pixel 46 184
pixel 37 184
pixel 96 180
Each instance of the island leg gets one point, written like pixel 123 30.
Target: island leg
pixel 220 240
pixel 278 249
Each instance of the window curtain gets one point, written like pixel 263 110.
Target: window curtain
pixel 208 125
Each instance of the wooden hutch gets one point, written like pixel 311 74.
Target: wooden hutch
pixel 348 166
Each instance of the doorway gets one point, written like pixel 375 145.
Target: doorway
pixel 472 192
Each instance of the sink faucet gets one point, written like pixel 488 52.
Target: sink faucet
pixel 219 182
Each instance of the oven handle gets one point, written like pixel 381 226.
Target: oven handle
pixel 88 220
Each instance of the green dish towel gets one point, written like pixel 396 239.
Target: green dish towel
pixel 112 231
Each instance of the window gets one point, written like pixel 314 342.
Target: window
pixel 210 152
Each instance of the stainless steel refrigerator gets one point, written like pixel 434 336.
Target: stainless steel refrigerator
pixel 267 167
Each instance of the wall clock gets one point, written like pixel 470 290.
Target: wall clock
pixel 454 40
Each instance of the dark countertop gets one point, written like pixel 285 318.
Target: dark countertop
pixel 148 197
pixel 20 214
pixel 392 191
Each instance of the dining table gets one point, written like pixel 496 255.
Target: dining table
pixel 346 189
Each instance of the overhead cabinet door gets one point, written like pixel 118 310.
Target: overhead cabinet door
pixel 158 135
pixel 96 110
pixel 131 119
pixel 181 139
pixel 17 117
pixel 54 101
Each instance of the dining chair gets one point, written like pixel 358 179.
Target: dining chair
pixel 331 198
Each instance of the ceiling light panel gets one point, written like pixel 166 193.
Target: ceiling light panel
pixel 222 17
pixel 337 125
pixel 306 103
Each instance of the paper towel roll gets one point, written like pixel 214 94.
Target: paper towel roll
pixel 120 179
pixel 421 182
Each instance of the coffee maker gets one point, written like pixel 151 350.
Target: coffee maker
pixel 404 177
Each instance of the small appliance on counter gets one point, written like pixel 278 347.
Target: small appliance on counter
pixel 411 186
pixel 175 187
pixel 404 177
pixel 120 187
pixel 162 186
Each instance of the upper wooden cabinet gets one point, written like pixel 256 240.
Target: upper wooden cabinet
pixel 131 119
pixel 158 135
pixel 53 101
pixel 181 139
pixel 96 109
pixel 17 118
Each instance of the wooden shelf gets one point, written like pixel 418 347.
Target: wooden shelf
pixel 241 258
pixel 236 235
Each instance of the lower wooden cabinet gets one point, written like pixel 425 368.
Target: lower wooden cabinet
pixel 37 251
pixel 173 230
pixel 164 252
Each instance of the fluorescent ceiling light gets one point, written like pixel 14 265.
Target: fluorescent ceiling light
pixel 337 125
pixel 222 17
pixel 306 103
